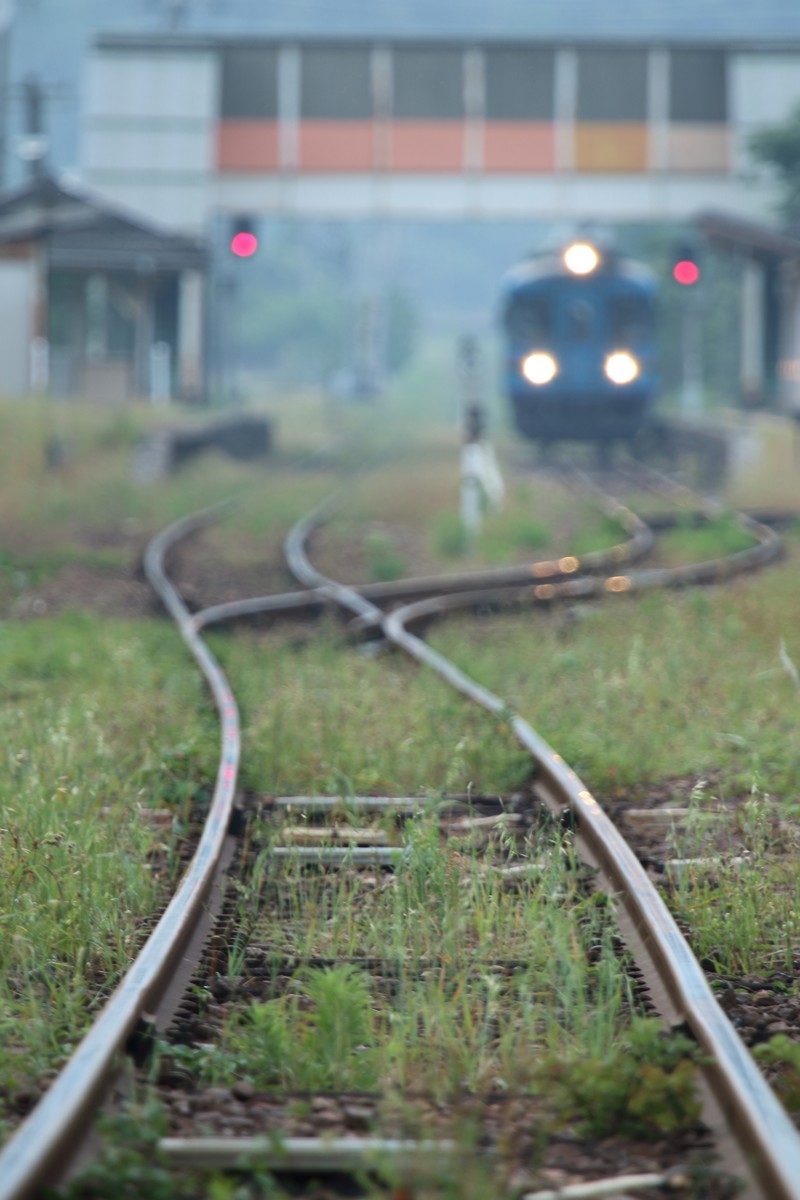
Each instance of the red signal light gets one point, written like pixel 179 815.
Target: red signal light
pixel 686 272
pixel 244 244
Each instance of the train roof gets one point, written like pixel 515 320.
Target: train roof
pixel 545 268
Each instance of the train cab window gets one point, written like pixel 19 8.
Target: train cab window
pixel 632 318
pixel 530 320
pixel 581 321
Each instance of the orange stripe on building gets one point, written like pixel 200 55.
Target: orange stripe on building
pixel 427 146
pixel 337 146
pixel 611 146
pixel 244 145
pixel 699 147
pixel 510 146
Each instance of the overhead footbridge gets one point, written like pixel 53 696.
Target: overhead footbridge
pixel 184 125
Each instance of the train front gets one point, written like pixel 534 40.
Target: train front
pixel 579 331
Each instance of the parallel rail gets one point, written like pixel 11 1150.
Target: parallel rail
pixel 760 1123
pixel 42 1145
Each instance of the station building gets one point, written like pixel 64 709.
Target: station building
pixel 567 108
pixel 182 110
pixel 183 126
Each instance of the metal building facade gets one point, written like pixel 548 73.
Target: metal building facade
pixel 181 127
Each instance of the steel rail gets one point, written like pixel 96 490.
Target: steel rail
pixel 44 1142
pixel 639 542
pixel 637 579
pixel 754 1113
pixel 481 587
pixel 42 1146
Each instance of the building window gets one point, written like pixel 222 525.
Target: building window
pixel 612 85
pixel 519 84
pixel 250 82
pixel 697 86
pixel 428 83
pixel 336 83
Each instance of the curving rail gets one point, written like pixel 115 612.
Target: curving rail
pixel 638 543
pixel 570 577
pixel 758 1120
pixel 46 1139
pixel 44 1142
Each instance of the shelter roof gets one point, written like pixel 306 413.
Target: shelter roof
pixel 750 238
pixel 84 231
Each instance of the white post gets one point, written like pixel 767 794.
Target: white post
pixel 481 485
pixel 752 333
pixel 190 336
pixel 40 364
pixel 471 490
pixel 160 374
pixel 692 354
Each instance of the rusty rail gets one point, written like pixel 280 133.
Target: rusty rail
pixel 757 1118
pixel 44 1143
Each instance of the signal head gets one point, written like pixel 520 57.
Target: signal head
pixel 686 263
pixel 686 272
pixel 243 240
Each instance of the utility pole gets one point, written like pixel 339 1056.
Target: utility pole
pixel 34 145
pixel 686 272
pixel 692 355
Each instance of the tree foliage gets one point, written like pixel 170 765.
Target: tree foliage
pixel 295 310
pixel 778 146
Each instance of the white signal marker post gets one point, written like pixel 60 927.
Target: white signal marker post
pixel 481 485
pixel 481 481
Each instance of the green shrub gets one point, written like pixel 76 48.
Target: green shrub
pixel 784 1054
pixel 645 1088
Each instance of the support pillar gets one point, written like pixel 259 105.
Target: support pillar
pixel 752 339
pixel 789 369
pixel 191 384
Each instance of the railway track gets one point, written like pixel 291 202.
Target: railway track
pixel 151 995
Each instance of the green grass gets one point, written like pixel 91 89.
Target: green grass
pixel 504 537
pixel 629 690
pixel 600 533
pixel 715 538
pixel 316 720
pixel 385 561
pixel 92 511
pixel 762 889
pixel 416 501
pixel 443 1017
pixel 98 725
pixel 656 686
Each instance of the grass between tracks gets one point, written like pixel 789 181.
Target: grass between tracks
pixel 485 984
pixel 685 685
pixel 464 987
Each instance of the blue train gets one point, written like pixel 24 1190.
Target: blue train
pixel 579 330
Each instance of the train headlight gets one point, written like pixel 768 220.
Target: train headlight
pixel 581 258
pixel 621 367
pixel 539 367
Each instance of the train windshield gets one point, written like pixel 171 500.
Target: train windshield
pixel 529 319
pixel 632 319
pixel 581 321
